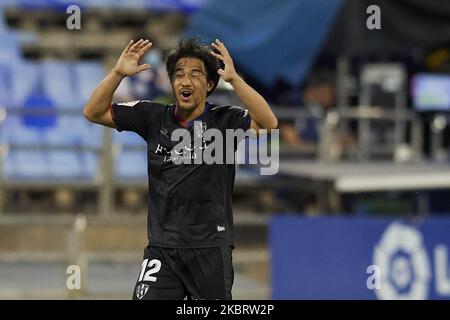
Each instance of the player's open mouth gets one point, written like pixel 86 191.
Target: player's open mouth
pixel 185 94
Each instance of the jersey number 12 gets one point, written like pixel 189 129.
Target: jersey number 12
pixel 154 265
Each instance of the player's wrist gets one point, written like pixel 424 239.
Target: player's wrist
pixel 115 72
pixel 235 80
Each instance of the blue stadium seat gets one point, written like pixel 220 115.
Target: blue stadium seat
pixel 10 49
pixel 59 136
pixel 9 2
pixel 162 5
pixel 127 138
pixel 100 4
pixel 9 167
pixel 26 37
pixel 74 130
pixel 54 165
pixel 3 26
pixel 32 4
pixel 89 165
pixel 69 130
pixel 131 165
pixel 87 76
pixel 8 127
pixel 25 135
pixel 182 5
pixel 5 87
pixel 63 4
pixel 131 4
pixel 30 165
pixel 87 133
pixel 73 122
pixel 24 79
pixel 64 164
pixel 58 84
pixel 14 132
pixel 94 137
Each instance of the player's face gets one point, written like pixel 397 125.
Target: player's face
pixel 189 83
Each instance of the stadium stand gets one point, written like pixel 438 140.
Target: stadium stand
pixel 46 76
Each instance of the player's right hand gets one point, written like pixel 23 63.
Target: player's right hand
pixel 128 62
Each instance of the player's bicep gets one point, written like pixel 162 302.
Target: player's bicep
pixel 105 119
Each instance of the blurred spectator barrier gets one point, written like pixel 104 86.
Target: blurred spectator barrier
pixel 330 123
pixel 330 180
pixel 36 252
pixel 383 85
pixel 30 243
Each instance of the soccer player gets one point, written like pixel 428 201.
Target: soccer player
pixel 190 219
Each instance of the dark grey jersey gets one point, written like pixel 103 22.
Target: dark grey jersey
pixel 189 204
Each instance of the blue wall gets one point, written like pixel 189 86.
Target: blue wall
pixel 328 257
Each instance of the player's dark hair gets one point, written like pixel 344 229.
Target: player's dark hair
pixel 192 48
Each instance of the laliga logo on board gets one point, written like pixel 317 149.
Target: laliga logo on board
pixel 403 258
pixel 404 266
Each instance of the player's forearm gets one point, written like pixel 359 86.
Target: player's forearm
pixel 257 106
pixel 102 96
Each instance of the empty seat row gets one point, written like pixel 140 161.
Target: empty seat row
pixel 34 153
pixel 184 5
pixel 62 130
pixel 54 165
pixel 57 84
pixel 32 165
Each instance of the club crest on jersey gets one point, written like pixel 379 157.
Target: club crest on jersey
pixel 141 290
pixel 165 133
pixel 199 128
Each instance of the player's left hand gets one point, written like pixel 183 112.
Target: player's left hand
pixel 228 73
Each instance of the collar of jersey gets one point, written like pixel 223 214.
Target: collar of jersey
pixel 189 124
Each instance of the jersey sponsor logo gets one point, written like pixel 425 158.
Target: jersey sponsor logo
pixel 404 264
pixel 160 149
pixel 171 155
pixel 129 104
pixel 220 228
pixel 141 290
pixel 199 128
